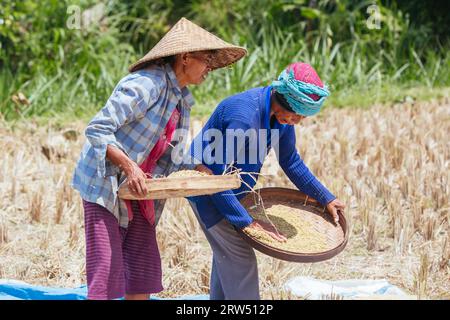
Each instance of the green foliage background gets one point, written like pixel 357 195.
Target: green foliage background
pixel 70 73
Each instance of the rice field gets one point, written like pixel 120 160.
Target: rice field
pixel 389 164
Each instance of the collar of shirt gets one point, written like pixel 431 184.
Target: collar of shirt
pixel 265 105
pixel 180 93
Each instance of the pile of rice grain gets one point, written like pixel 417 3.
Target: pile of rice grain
pixel 186 174
pixel 302 228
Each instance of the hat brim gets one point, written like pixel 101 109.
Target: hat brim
pixel 222 57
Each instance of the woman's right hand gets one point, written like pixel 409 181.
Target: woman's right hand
pixel 267 228
pixel 135 176
pixel 136 179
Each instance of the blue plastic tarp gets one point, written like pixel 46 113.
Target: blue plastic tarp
pixel 18 290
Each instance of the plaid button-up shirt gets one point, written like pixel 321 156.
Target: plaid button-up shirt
pixel 132 120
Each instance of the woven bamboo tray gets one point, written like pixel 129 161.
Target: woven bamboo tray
pixel 180 187
pixel 337 235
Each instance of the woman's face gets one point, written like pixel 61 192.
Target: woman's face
pixel 197 66
pixel 285 117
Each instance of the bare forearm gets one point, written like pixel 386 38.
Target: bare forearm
pixel 135 176
pixel 119 158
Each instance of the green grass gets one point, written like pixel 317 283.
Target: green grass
pixel 387 95
pixel 69 74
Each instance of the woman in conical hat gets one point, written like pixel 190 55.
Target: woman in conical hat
pixel 128 140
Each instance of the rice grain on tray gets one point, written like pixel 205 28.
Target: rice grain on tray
pixel 301 228
pixel 187 173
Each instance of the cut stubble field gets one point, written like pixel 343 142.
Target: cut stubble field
pixel 390 165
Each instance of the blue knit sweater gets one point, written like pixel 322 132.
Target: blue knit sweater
pixel 246 110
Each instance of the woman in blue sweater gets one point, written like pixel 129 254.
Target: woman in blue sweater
pixel 261 119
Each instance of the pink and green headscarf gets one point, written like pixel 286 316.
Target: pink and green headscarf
pixel 302 88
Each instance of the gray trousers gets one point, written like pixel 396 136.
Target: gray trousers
pixel 234 272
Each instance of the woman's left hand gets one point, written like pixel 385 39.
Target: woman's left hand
pixel 204 169
pixel 335 206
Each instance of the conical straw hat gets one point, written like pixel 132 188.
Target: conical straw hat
pixel 186 36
